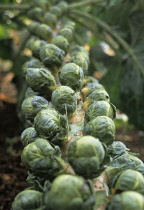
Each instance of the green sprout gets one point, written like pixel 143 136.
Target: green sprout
pixel 28 135
pixel 28 199
pixel 52 56
pixel 32 105
pixel 69 192
pixel 101 127
pixel 41 80
pixel 71 75
pixel 51 125
pixel 64 100
pixel 42 159
pixel 87 156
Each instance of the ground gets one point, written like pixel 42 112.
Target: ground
pixel 13 174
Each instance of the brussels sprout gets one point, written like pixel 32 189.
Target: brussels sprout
pixel 101 127
pixel 63 5
pixel 86 156
pixel 128 161
pixel 128 200
pixel 32 105
pixel 100 108
pixel 130 180
pixel 33 63
pixel 67 33
pixel 28 135
pixel 42 159
pixel 56 10
pixel 88 80
pixel 44 32
pixel 90 84
pixel 41 80
pixel 69 192
pixel 52 56
pixel 117 148
pixel 44 4
pixel 50 19
pixel 96 95
pixel 36 13
pixel 32 27
pixel 70 25
pixel 79 49
pixel 51 125
pixel 34 45
pixel 71 75
pixel 61 42
pixel 29 92
pixel 121 163
pixel 28 199
pixel 64 100
pixel 80 61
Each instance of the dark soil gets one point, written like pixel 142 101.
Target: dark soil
pixel 12 172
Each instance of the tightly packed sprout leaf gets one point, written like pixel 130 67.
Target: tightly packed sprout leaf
pixel 128 161
pixel 117 148
pixel 75 194
pixel 36 13
pixel 44 4
pixel 42 159
pixel 80 56
pixel 50 19
pixel 90 84
pixel 52 56
pixel 33 63
pixel 101 127
pixel 71 75
pixel 33 27
pixel 128 200
pixel 87 155
pixel 63 5
pixel 120 163
pixel 64 100
pixel 41 80
pixel 61 42
pixel 56 10
pixel 32 105
pixel 28 135
pixel 67 33
pixel 100 108
pixel 130 180
pixel 80 61
pixel 96 95
pixel 29 92
pixel 28 199
pixel 34 45
pixel 44 32
pixel 51 125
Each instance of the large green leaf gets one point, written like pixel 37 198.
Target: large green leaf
pixel 132 86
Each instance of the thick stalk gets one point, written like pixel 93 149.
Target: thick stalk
pixel 86 18
pixel 15 7
pixel 84 3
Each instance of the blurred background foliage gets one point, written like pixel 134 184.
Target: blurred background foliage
pixel 113 30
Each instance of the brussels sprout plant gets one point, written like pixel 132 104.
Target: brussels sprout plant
pixel 70 150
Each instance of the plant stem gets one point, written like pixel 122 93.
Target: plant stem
pixel 84 3
pixel 15 7
pixel 86 19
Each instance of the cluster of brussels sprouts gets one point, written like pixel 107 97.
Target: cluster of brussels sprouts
pixel 70 140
